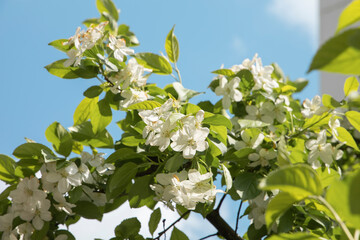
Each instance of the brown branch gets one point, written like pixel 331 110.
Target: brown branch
pixel 211 235
pixel 222 226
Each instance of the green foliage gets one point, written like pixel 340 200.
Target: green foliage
pixel 109 7
pixel 349 16
pixel 88 210
pixel 87 69
pixel 154 220
pixel 82 112
pixel 351 85
pixel 156 63
pixel 145 105
pixel 7 169
pixel 298 180
pixel 128 228
pixel 172 46
pixel 178 235
pixel 100 116
pixel 60 138
pixel 121 178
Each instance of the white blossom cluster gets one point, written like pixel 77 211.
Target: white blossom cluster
pixel 313 107
pixel 183 133
pixel 30 198
pixel 184 188
pixel 83 40
pixel 262 78
pixel 258 206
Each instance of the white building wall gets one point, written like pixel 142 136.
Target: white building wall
pixel 331 83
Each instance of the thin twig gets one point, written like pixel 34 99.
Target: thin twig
pixel 211 235
pixel 181 217
pixel 221 201
pixel 238 217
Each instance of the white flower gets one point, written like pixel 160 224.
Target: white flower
pixel 65 177
pixel 154 115
pixel 334 123
pixel 98 162
pixel 6 221
pixel 25 231
pixel 319 149
pixel 119 47
pixel 229 91
pixel 258 207
pixel 75 57
pixel 163 135
pixel 98 198
pixel 189 140
pixel 262 76
pixel 248 141
pixel 132 96
pixel 62 205
pixel 262 158
pixel 265 113
pixel 109 66
pixel 312 107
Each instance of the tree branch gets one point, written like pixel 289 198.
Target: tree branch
pixel 238 216
pixel 222 226
pixel 211 235
pixel 181 217
pixel 221 201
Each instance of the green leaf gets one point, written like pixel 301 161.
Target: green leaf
pixel 317 121
pixel 155 62
pixel 278 206
pixel 354 197
pixel 349 16
pixel 109 7
pixel 337 55
pixel 131 39
pixel 83 110
pixel 330 102
pixel 145 105
pixel 60 138
pixel 246 123
pixel 299 83
pixel 345 137
pixel 184 94
pixel 174 163
pixel 84 134
pixel 100 116
pixel 178 235
pixel 339 196
pixel 141 194
pixel 293 236
pixel 246 80
pixel 121 178
pixel 225 72
pixel 218 120
pixel 58 44
pixel 123 154
pixel 172 46
pixel 298 180
pixel 246 185
pixel 351 85
pixel 86 70
pixel 93 91
pixel 7 168
pixel 154 220
pixel 88 210
pixel 354 119
pixel 128 228
pixel 30 151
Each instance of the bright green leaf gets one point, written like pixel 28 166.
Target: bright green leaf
pixel 337 55
pixel 277 206
pixel 174 163
pixel 330 102
pixel 345 137
pixel 109 7
pixel 351 85
pixel 100 116
pixel 246 80
pixel 154 220
pixel 155 62
pixel 30 151
pixel 225 72
pixel 218 120
pixel 145 105
pixel 7 168
pixel 298 180
pixel 87 69
pixel 82 112
pixel 349 16
pixel 58 44
pixel 354 119
pixel 60 138
pixel 354 197
pixel 172 46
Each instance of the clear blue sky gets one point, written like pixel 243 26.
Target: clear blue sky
pixel 210 33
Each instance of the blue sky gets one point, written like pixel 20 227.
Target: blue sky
pixel 210 33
